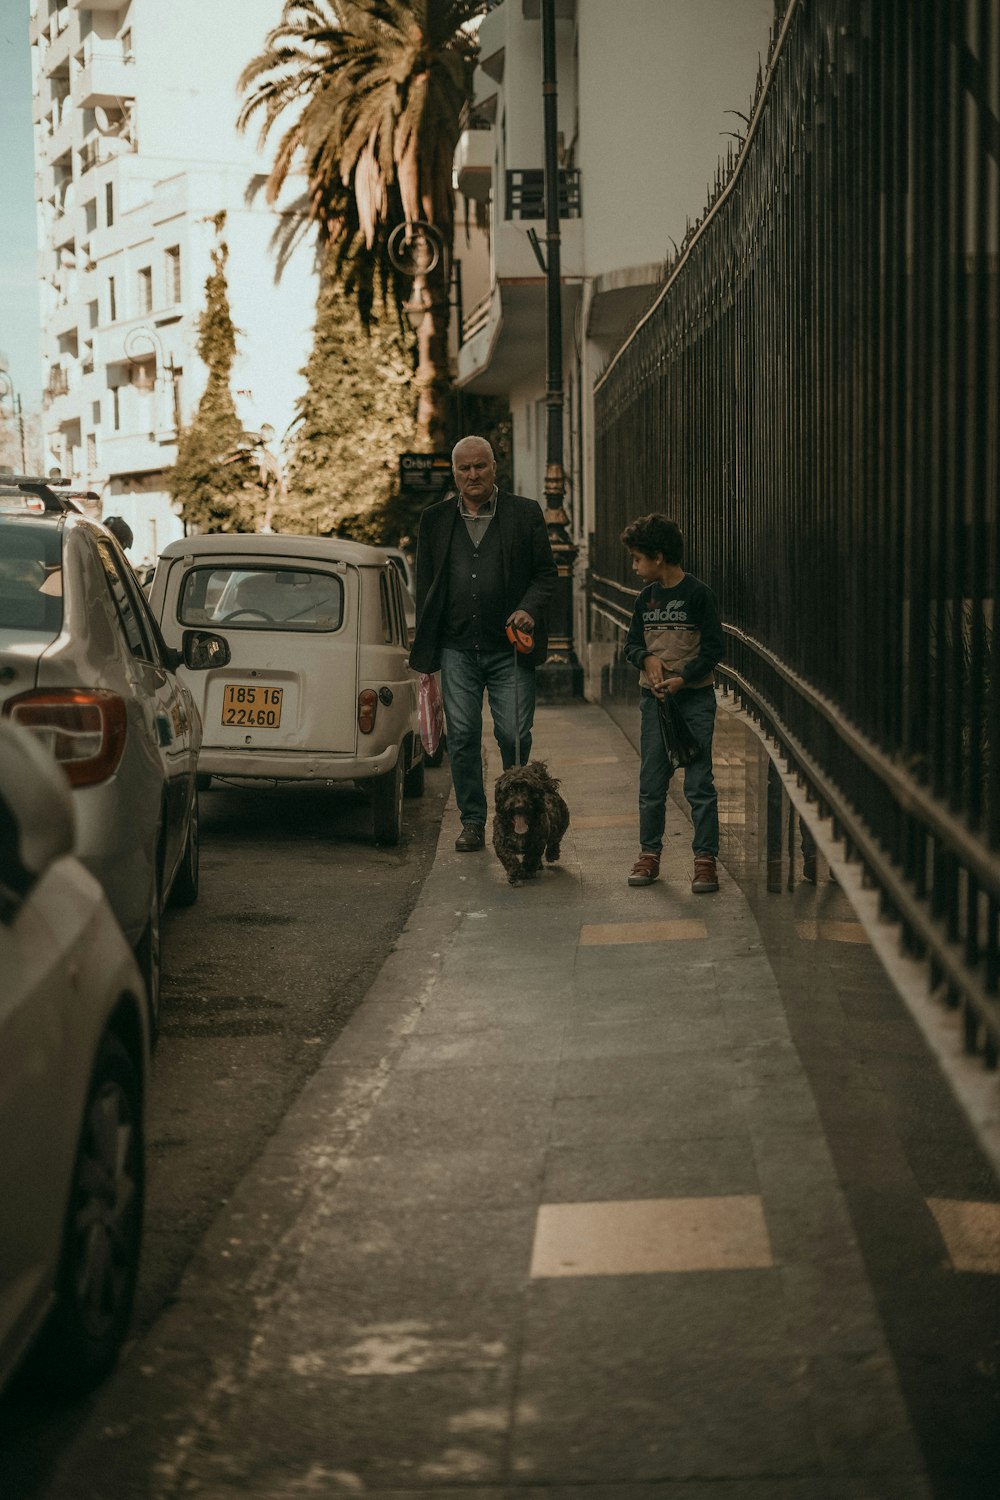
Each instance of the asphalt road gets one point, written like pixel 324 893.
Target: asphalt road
pixel 297 911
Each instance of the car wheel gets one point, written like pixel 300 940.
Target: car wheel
pixel 147 956
pixel 387 804
pixel 413 786
pixel 184 891
pixel 102 1235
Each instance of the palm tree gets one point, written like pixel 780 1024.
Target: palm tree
pixel 373 93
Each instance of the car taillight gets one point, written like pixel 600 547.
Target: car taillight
pixel 84 728
pixel 367 704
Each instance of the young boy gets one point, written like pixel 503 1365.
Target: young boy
pixel 675 639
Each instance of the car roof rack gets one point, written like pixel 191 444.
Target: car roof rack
pixel 45 488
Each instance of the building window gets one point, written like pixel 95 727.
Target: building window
pixel 95 413
pixel 93 314
pixel 90 214
pixel 116 408
pixel 146 289
pixel 112 300
pixel 172 265
pixel 127 43
pixel 109 203
pixel 91 451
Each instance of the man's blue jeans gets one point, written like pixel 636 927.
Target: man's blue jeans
pixel 465 676
pixel 698 707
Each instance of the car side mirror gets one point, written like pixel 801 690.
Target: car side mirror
pixel 202 650
pixel 37 814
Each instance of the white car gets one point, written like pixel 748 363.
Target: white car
pixel 74 1050
pixel 317 687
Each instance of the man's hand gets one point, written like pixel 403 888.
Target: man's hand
pixel 521 620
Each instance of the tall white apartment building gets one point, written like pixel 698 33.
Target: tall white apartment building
pixel 136 153
pixel 644 93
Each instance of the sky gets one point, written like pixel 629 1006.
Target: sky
pixel 19 303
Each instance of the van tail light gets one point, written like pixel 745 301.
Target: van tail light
pixel 85 729
pixel 367 704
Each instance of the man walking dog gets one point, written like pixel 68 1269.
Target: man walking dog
pixel 483 562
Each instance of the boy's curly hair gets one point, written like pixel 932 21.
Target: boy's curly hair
pixel 653 534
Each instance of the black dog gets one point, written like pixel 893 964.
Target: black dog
pixel 529 818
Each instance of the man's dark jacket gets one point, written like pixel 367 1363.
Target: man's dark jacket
pixel 529 572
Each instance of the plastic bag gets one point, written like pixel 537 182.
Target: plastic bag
pixel 431 713
pixel 678 741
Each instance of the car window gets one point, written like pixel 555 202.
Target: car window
pixel 261 598
pixel 30 577
pixel 400 617
pixel 157 645
pixel 400 565
pixel 385 607
pixel 131 623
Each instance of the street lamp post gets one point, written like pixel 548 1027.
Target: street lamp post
pixel 562 676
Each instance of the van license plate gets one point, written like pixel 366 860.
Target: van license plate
pixel 254 707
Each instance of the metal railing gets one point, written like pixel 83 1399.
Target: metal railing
pixel 813 395
pixel 477 318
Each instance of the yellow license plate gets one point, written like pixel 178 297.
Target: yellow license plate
pixel 251 707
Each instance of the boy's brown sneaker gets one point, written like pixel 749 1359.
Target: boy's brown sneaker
pixel 706 877
pixel 645 870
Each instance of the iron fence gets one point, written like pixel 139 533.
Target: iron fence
pixel 814 397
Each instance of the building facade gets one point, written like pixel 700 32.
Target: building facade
pixel 647 91
pixel 137 154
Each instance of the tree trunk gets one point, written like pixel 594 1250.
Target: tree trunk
pixel 433 378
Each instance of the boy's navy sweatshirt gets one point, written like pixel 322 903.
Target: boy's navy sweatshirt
pixel 681 626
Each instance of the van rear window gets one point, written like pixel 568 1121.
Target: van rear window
pixel 31 595
pixel 266 598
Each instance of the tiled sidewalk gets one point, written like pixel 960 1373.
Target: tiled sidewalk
pixel 558 1215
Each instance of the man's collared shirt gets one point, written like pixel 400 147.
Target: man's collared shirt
pixel 476 523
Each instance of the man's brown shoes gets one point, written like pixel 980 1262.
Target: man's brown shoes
pixel 472 837
pixel 706 877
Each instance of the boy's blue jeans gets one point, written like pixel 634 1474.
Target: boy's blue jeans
pixel 698 707
pixel 465 675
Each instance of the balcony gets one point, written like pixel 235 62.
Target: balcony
pixel 135 453
pixel 57 129
pixel 56 33
pixel 474 156
pixel 99 149
pixel 504 334
pixel 97 4
pixel 61 383
pixel 107 76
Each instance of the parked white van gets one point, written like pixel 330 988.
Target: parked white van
pixel 317 687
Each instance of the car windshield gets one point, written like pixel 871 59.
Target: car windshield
pixel 270 598
pixel 30 577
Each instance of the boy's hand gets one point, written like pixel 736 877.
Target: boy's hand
pixel 659 682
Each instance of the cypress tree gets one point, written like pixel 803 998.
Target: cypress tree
pixel 354 419
pixel 211 480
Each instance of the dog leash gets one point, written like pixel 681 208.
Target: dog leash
pixel 522 642
pixel 517 713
